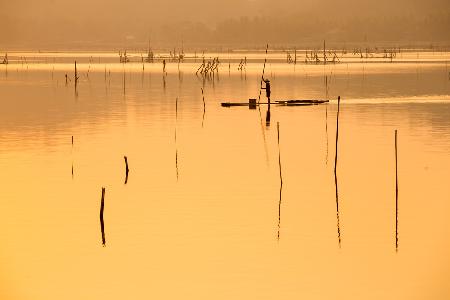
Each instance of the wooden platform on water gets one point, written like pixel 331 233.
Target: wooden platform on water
pixel 251 104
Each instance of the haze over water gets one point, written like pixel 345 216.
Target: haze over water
pixel 198 217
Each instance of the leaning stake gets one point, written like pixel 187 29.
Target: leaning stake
pixel 335 175
pixel 176 147
pixel 76 73
pixel 126 169
pixel 102 225
pixel 262 76
pixel 204 107
pixel 281 181
pixel 396 195
pixel 72 158
pixel 76 79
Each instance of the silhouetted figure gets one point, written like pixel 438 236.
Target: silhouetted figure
pixel 267 88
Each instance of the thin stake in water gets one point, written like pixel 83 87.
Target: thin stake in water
pixel 76 79
pixel 335 174
pixel 326 133
pixel 126 169
pixel 76 73
pixel 262 76
pixel 176 147
pixel 102 224
pixel 72 158
pixel 281 181
pixel 204 107
pixel 396 195
pixel 326 118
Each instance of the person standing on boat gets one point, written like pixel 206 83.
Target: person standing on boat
pixel 267 88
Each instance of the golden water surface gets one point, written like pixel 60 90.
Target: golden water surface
pixel 199 215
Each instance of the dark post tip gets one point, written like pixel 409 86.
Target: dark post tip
pixel 126 163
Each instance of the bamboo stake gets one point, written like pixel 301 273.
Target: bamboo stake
pixel 281 181
pixel 126 169
pixel 326 132
pixel 176 147
pixel 204 107
pixel 72 158
pixel 326 117
pixel 396 195
pixel 76 79
pixel 262 76
pixel 76 73
pixel 335 174
pixel 102 224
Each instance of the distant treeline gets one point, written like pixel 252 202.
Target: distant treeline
pixel 306 30
pixel 296 30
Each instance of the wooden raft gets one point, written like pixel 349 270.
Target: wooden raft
pixel 252 103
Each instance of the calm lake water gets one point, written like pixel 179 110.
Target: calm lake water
pixel 200 213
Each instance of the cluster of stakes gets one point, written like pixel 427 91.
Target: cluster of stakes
pixel 208 67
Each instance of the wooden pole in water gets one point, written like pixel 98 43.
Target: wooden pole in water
pixel 72 155
pixel 126 169
pixel 262 76
pixel 335 174
pixel 326 132
pixel 102 224
pixel 337 134
pixel 126 164
pixel 396 195
pixel 76 78
pixel 76 74
pixel 176 147
pixel 281 181
pixel 204 107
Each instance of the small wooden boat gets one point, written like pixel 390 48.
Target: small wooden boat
pixel 252 103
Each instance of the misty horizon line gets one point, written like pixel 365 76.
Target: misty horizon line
pixel 241 32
